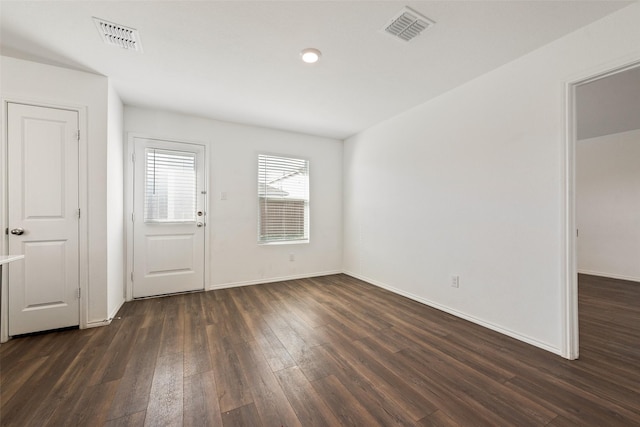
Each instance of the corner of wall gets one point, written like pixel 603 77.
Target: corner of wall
pixel 115 202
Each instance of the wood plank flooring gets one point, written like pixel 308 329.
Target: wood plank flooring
pixel 326 351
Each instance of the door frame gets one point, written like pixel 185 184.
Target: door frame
pixel 128 204
pixel 83 236
pixel 570 329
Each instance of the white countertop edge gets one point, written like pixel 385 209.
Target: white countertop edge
pixel 6 259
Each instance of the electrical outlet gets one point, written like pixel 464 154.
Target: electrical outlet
pixel 292 257
pixel 455 281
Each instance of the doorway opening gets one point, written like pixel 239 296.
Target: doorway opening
pixel 603 110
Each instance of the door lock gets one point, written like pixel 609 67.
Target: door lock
pixel 17 231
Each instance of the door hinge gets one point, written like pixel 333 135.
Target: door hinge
pixel 78 213
pixel 78 135
pixel 132 276
pixel 133 157
pixel 78 293
pixel 133 216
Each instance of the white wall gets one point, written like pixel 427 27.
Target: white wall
pixel 235 257
pixel 608 205
pixel 38 83
pixel 471 183
pixel 115 203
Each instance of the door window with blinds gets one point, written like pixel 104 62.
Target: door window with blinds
pixel 283 198
pixel 170 186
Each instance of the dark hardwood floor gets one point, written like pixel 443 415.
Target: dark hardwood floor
pixel 322 352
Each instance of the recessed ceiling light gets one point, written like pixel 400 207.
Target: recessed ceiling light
pixel 310 55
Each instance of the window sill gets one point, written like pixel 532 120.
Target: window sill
pixel 284 242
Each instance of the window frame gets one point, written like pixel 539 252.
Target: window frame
pixel 307 204
pixel 148 210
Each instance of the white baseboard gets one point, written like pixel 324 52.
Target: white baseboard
pixel 105 322
pixel 609 275
pixel 98 323
pixel 488 325
pixel 115 311
pixel 271 280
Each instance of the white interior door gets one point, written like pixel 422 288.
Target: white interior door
pixel 43 218
pixel 169 218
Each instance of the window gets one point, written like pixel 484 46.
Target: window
pixel 170 186
pixel 283 196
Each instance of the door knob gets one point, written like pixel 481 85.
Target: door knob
pixel 17 231
pixel 199 224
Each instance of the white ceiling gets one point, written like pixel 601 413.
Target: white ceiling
pixel 239 60
pixel 609 105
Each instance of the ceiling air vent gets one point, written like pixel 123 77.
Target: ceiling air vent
pixel 118 35
pixel 407 24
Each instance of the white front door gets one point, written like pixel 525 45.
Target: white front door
pixel 43 218
pixel 169 218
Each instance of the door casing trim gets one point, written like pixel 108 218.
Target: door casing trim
pixel 128 205
pixel 83 230
pixel 569 271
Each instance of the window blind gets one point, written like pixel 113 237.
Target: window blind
pixel 283 196
pixel 170 186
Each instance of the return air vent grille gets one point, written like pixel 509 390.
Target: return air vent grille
pixel 118 35
pixel 408 24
